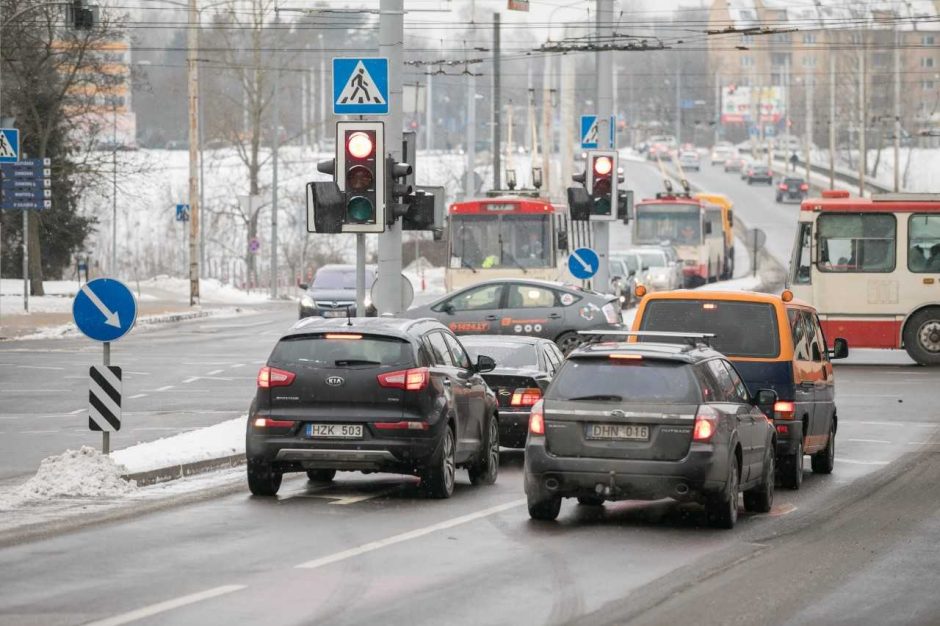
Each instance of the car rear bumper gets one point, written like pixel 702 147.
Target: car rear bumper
pixel 702 471
pixel 789 434
pixel 513 428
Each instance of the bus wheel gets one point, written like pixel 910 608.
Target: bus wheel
pixel 922 336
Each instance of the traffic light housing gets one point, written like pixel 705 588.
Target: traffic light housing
pixel 602 179
pixel 360 172
pixel 399 192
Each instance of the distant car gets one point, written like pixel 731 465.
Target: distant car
pixel 333 293
pixel 690 161
pixel 646 421
pixel 633 263
pixel 620 281
pixel 662 268
pixel 792 189
pixel 721 153
pixel 524 368
pixel 759 174
pixel 735 164
pixel 515 306
pixel 373 395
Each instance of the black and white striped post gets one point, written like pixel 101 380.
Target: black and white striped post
pixel 104 399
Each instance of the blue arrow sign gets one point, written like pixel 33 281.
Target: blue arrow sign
pixel 104 309
pixel 360 86
pixel 9 145
pixel 588 132
pixel 583 263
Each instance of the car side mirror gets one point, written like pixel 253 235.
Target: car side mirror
pixel 303 286
pixel 765 398
pixel 448 308
pixel 485 364
pixel 840 349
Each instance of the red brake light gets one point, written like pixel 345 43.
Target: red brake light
pixel 784 410
pixel 359 145
pixel 706 423
pixel 537 419
pixel 402 425
pixel 414 379
pixel 272 377
pixel 804 187
pixel 783 186
pixel 342 336
pixel 525 396
pixel 267 422
pixel 626 357
pixel 603 165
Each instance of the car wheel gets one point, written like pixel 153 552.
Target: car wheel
pixel 590 501
pixel 485 471
pixel 791 469
pixel 922 336
pixel 761 498
pixel 321 475
pixel 439 477
pixel 568 341
pixel 263 479
pixel 722 509
pixel 824 460
pixel 545 510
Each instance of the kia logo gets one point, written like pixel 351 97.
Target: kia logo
pixel 617 413
pixel 335 381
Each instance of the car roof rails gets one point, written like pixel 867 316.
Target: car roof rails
pixel 692 339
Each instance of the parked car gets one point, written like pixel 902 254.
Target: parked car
pixel 646 421
pixel 515 306
pixel 690 160
pixel 721 153
pixel 759 174
pixel 791 189
pixel 373 395
pixel 524 368
pixel 333 292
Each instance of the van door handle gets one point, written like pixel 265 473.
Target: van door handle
pixel 555 316
pixel 491 318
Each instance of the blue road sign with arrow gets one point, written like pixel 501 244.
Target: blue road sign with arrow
pixel 588 132
pixel 360 86
pixel 583 263
pixel 104 309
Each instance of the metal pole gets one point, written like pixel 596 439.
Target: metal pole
pixel 471 151
pixel 321 127
pixel 106 435
pixel 547 127
pixel 114 191
pixel 304 113
pixel 810 90
pixel 861 122
pixel 897 110
pixel 26 260
pixel 678 103
pixel 192 70
pixel 497 104
pixel 832 120
pixel 605 103
pixel 360 275
pixel 391 38
pixel 277 145
pixel 717 105
pixel 429 117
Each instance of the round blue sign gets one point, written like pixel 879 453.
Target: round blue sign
pixel 583 263
pixel 104 309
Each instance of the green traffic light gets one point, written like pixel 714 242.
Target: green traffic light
pixel 360 210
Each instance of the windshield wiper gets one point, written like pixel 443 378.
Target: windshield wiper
pixel 611 397
pixel 347 362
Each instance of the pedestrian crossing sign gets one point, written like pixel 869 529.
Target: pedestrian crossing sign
pixel 360 86
pixel 9 145
pixel 588 132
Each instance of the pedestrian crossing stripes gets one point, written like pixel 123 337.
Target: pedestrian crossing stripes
pixel 104 398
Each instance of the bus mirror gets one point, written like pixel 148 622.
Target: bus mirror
pixel 840 349
pixel 563 240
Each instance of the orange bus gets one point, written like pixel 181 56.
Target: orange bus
pixel 871 267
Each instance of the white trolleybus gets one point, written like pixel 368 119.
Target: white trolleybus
pixel 871 267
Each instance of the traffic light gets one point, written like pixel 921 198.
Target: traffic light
pixel 360 172
pixel 601 183
pixel 326 207
pixel 399 193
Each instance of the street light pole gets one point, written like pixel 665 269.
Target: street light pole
pixel 192 70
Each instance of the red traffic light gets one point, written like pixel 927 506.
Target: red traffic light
pixel 359 145
pixel 603 165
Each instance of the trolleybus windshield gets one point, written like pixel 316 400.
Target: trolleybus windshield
pixel 500 241
pixel 678 223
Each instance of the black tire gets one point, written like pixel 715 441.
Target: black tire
pixel 321 475
pixel 761 498
pixel 825 460
pixel 439 477
pixel 486 469
pixel 722 509
pixel 791 469
pixel 263 479
pixel 568 341
pixel 922 336
pixel 590 501
pixel 545 510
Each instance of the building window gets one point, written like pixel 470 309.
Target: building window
pixel 926 62
pixel 747 62
pixel 778 58
pixel 809 61
pixel 861 242
pixel 809 37
pixel 747 39
pixel 927 40
pixel 927 85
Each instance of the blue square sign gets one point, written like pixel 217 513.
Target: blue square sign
pixel 588 132
pixel 9 145
pixel 360 86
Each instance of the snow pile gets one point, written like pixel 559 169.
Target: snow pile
pixel 211 291
pixel 213 442
pixel 74 473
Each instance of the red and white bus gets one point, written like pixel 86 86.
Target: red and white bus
pixel 871 267
pixel 503 237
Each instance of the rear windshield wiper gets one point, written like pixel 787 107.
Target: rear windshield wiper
pixel 598 397
pixel 347 362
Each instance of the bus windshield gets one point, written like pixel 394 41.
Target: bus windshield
pixel 678 223
pixel 500 241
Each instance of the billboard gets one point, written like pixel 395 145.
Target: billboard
pixel 740 104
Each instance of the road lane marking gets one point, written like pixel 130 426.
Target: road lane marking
pixel 166 388
pixel 873 423
pixel 32 367
pixel 854 462
pixel 214 373
pixel 77 411
pixel 408 536
pixel 38 432
pixel 237 365
pixel 168 605
pixel 870 440
pixel 191 379
pixel 923 443
pixel 139 395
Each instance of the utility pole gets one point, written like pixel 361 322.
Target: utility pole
pixel 605 105
pixel 497 100
pixel 678 102
pixel 391 38
pixel 192 70
pixel 861 121
pixel 717 105
pixel 428 115
pixel 276 145
pixel 471 151
pixel 897 109
pixel 547 125
pixel 321 127
pixel 809 84
pixel 832 119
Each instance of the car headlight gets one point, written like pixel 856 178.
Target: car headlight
pixel 610 313
pixel 307 302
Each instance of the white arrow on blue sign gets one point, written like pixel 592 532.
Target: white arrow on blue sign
pixel 588 132
pixel 360 86
pixel 104 309
pixel 583 263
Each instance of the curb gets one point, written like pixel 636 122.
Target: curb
pixel 151 320
pixel 174 472
pixel 172 317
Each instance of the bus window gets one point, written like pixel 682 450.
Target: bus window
pixel 802 255
pixel 680 223
pixel 860 242
pixel 923 245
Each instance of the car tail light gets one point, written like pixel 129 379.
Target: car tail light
pixel 272 377
pixel 525 396
pixel 402 425
pixel 625 357
pixel 782 186
pixel 267 422
pixel 342 336
pixel 804 187
pixel 783 429
pixel 784 410
pixel 706 423
pixel 537 419
pixel 414 379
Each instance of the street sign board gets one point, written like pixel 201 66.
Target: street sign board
pixel 588 132
pixel 583 263
pixel 182 212
pixel 26 185
pixel 9 145
pixel 360 86
pixel 104 398
pixel 104 309
pixel 613 132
